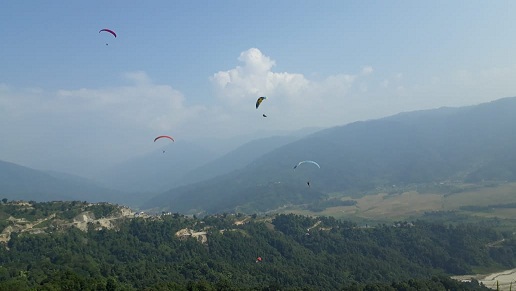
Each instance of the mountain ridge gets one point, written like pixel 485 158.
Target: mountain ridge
pixel 463 143
pixel 24 183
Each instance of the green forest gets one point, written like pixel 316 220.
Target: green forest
pixel 296 252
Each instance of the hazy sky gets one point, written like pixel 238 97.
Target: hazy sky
pixel 70 95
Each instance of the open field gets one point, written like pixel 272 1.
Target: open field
pixel 410 204
pixel 503 280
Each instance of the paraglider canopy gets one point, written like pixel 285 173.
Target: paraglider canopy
pixel 259 101
pixel 259 259
pixel 309 162
pixel 163 136
pixel 108 30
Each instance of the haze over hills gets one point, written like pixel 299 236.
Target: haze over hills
pixel 467 144
pixel 182 163
pixel 22 183
pixel 157 171
pixel 237 158
pixel 135 180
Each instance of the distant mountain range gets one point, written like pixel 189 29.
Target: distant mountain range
pixel 157 171
pixel 133 181
pixel 236 159
pixel 468 144
pixel 22 183
pixel 183 163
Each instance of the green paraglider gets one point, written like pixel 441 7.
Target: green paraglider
pixel 259 101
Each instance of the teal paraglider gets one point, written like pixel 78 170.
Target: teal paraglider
pixel 307 161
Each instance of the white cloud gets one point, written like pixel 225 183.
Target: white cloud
pixel 385 83
pixel 255 61
pixel 255 78
pixel 293 101
pixel 367 70
pixel 115 121
pixel 142 103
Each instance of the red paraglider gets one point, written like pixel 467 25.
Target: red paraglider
pixel 108 30
pixel 259 259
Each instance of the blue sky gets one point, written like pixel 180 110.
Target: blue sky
pixel 193 69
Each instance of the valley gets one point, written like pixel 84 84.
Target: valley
pixel 472 200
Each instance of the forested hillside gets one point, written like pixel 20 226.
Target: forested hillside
pixel 237 252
